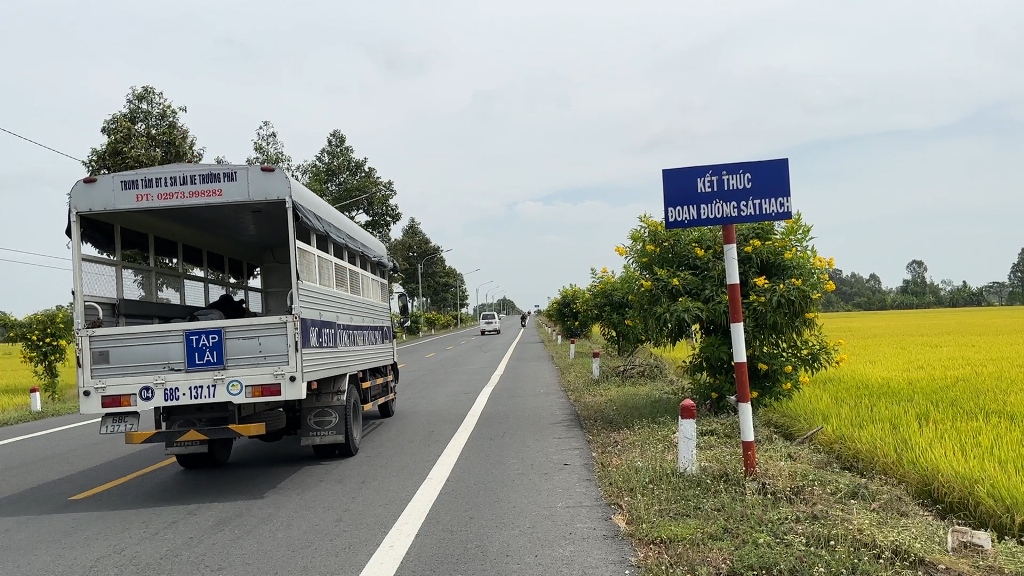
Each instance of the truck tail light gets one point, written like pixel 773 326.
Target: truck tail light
pixel 117 401
pixel 262 390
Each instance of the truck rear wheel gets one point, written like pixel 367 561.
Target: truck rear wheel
pixel 353 423
pixel 218 455
pixel 325 450
pixel 387 409
pixel 191 461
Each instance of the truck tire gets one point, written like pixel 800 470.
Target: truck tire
pixel 387 409
pixel 353 423
pixel 275 421
pixel 325 450
pixel 220 452
pixel 191 461
pixel 218 455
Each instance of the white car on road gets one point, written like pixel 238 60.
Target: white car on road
pixel 489 322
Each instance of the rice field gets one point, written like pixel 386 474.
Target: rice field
pixel 933 398
pixel 16 379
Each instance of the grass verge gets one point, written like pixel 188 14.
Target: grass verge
pixel 803 515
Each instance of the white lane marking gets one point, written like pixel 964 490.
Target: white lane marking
pixel 57 429
pixel 389 555
pixel 435 338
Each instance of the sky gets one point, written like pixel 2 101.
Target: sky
pixel 529 137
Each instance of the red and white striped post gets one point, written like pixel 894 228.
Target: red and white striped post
pixel 572 348
pixel 35 400
pixel 739 349
pixel 687 436
pixel 597 363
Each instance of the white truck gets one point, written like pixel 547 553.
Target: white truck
pixel 233 302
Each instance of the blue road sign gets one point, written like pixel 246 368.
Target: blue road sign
pixel 204 349
pixel 719 194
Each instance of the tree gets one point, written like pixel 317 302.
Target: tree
pixel 610 300
pixel 268 149
pixel 997 291
pixel 1015 279
pixel 918 290
pixel 409 250
pixel 352 185
pixel 8 327
pixel 44 338
pixel 147 132
pixel 440 280
pixel 682 295
pixel 916 283
pixel 439 287
pixel 221 160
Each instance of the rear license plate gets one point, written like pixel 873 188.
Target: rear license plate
pixel 173 394
pixel 119 423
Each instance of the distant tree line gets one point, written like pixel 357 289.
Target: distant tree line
pixel 919 290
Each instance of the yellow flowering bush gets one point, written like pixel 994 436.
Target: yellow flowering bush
pixel 571 311
pixel 682 295
pixel 609 300
pixel 438 321
pixel 45 337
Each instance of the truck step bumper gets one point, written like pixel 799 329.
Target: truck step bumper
pixel 217 432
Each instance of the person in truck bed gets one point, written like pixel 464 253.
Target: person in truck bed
pixel 224 308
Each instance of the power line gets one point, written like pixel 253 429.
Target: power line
pixel 38 144
pixel 35 254
pixel 84 272
pixel 36 265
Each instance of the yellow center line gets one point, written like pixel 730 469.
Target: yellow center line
pixel 121 480
pixel 400 365
pixel 449 348
pixel 429 355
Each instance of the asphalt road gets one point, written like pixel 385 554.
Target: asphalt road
pixel 480 472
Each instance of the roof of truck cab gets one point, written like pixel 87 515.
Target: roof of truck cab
pixel 139 189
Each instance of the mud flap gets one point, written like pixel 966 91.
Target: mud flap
pixel 323 419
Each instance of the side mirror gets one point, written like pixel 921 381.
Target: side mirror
pixel 403 305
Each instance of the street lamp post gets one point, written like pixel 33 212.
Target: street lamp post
pixel 478 296
pixel 487 296
pixel 419 274
pixel 458 296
